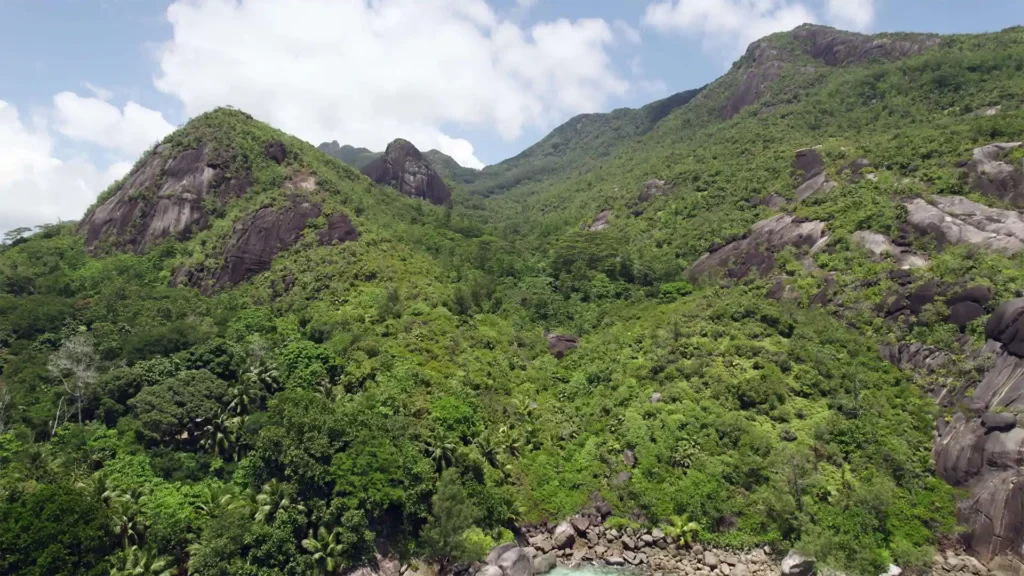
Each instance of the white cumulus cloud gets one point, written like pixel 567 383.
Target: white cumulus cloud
pixel 729 26
pixel 35 186
pixel 364 73
pixel 130 131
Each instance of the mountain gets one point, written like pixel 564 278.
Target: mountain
pixel 780 310
pixel 405 169
pixel 355 157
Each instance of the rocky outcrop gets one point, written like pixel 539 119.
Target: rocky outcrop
pixel 256 239
pixel 796 564
pixel 809 168
pixel 773 201
pixel 981 448
pixel 404 168
pixel 909 302
pixel 968 305
pixel 275 151
pixel 854 171
pixel 957 220
pixel 756 252
pixel 652 189
pixel 915 356
pixel 840 48
pixel 763 62
pixel 600 221
pixel 559 344
pixel 879 246
pixel 165 196
pixel 992 176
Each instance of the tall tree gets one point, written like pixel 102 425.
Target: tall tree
pixel 74 364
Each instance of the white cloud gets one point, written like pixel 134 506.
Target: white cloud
pixel 729 26
pixel 130 131
pixel 365 73
pixel 36 187
pixel 460 150
pixel 98 91
pixel 851 14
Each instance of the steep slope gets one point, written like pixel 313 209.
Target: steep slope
pixel 403 167
pixel 761 324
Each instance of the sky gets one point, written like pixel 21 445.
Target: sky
pixel 86 86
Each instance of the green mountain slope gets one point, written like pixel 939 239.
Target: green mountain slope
pixel 375 368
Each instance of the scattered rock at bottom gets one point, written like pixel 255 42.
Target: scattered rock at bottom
pixel 516 562
pixel 545 563
pixel 796 564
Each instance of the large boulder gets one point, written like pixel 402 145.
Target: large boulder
pixel 956 220
pixel 545 563
pixel 968 305
pixel 564 536
pixel 652 189
pixel 796 564
pixel 498 551
pixel 992 176
pixel 515 562
pixel 489 571
pixel 809 168
pixel 404 168
pixel 879 246
pixel 1006 325
pixel 559 344
pixel 600 221
pixel 166 195
pixel 755 253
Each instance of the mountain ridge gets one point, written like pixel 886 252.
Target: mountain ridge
pixel 796 326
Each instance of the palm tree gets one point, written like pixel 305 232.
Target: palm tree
pixel 218 436
pixel 243 395
pixel 327 550
pixel 98 486
pixel 442 454
pixel 136 562
pixel 216 499
pixel 124 512
pixel 273 498
pixel 264 375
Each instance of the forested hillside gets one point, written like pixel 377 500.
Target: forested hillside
pixel 753 306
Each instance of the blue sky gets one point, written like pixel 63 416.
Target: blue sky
pixel 87 85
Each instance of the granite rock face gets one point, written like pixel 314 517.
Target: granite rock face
pixel 756 252
pixel 956 220
pixel 165 196
pixel 991 175
pixel 559 344
pixel 405 169
pixel 809 168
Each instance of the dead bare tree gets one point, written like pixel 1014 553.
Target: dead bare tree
pixel 5 402
pixel 74 364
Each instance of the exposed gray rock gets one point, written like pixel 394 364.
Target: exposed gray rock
pixel 711 560
pixel 580 523
pixel 987 461
pixel 655 398
pixel 489 571
pixel 991 176
pixel 893 570
pixel 404 168
pixel 629 457
pixel 164 197
pixel 629 543
pixel 559 344
pixel 999 421
pixel 914 355
pixel 515 562
pixel 652 189
pixel 1006 325
pixel 545 563
pixel 563 536
pixel 879 246
pixel 783 289
pixel 809 167
pixel 773 201
pixel 600 221
pixel 756 252
pixel 796 564
pixel 276 151
pixel 614 561
pixel 957 220
pixel 855 168
pixel 498 551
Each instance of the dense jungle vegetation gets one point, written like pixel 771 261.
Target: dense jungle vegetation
pixel 399 388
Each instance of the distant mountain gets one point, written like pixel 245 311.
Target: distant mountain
pixel 355 157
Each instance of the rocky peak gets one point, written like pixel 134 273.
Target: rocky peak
pixel 405 169
pixel 167 195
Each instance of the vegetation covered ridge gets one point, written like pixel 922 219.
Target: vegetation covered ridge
pixel 187 395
